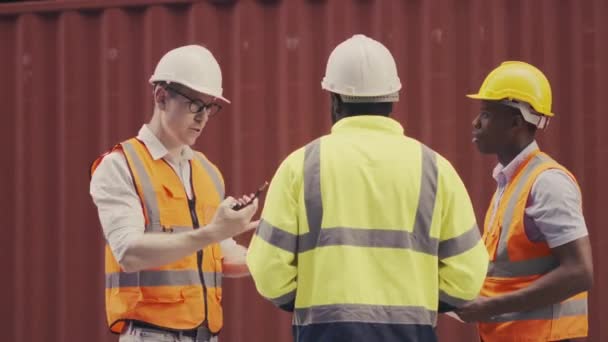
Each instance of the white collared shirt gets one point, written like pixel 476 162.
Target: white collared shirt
pixel 119 207
pixel 553 212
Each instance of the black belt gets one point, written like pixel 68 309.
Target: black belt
pixel 189 333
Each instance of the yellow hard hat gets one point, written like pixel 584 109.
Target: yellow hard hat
pixel 517 81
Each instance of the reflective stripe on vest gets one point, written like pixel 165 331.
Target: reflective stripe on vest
pixel 502 266
pixel 150 202
pixel 575 307
pixel 212 173
pixel 160 278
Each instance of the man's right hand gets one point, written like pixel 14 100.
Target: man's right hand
pixel 228 222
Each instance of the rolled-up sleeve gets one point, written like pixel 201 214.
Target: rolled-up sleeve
pixel 118 205
pixel 554 213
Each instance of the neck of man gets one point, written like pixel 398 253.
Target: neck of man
pixel 174 148
pixel 509 152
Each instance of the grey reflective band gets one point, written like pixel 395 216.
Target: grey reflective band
pixel 523 268
pixel 284 299
pixel 341 236
pixel 150 202
pixel 312 194
pixel 502 266
pixel 213 173
pixel 217 279
pixel 451 300
pixel 575 307
pixel 426 201
pixel 382 238
pixel 149 278
pixel 502 253
pixel 459 244
pixel 277 237
pixel 389 314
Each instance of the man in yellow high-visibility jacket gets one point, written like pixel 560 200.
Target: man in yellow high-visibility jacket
pixel 366 233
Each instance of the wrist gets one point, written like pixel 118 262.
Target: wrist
pixel 208 234
pixel 499 305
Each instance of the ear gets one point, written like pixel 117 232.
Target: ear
pixel 160 97
pixel 518 121
pixel 336 103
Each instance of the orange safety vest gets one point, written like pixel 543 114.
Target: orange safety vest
pixel 516 262
pixel 184 294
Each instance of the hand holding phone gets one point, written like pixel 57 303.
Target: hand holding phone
pixel 239 206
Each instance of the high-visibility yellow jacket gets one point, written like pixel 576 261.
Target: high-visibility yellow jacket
pixel 186 293
pixel 368 230
pixel 516 262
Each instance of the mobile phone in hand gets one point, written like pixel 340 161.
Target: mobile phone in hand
pixel 239 206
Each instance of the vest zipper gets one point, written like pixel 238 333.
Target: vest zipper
pixel 199 254
pixel 195 225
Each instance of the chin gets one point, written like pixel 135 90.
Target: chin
pixel 483 149
pixel 189 141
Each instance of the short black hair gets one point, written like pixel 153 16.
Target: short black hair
pixel 516 112
pixel 367 108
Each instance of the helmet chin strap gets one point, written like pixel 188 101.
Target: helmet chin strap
pixel 529 114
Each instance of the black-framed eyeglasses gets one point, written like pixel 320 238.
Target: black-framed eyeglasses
pixel 196 106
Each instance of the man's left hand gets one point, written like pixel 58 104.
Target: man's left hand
pixel 480 309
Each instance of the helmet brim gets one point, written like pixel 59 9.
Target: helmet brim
pixel 481 97
pixel 487 98
pixel 205 91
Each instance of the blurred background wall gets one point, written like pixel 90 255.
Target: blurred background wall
pixel 74 82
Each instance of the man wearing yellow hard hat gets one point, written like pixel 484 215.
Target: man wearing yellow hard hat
pixel 535 232
pixel 161 206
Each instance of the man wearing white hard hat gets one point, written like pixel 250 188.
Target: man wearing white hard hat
pixel 165 220
pixel 366 233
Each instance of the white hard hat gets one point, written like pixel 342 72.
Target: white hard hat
pixel 192 66
pixel 361 69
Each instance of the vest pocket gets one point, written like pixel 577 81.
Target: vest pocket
pixel 168 191
pixel 128 296
pixel 161 294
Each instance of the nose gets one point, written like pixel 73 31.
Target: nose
pixel 476 123
pixel 201 117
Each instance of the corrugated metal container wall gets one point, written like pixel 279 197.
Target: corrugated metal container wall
pixel 74 79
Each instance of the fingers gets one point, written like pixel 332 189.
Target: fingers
pixel 250 210
pixel 238 204
pixel 245 199
pixel 228 202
